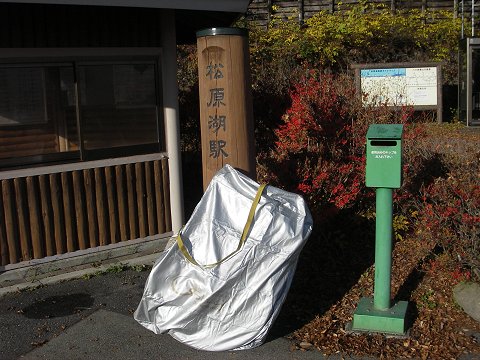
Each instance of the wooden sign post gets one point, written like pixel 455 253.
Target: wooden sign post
pixel 226 112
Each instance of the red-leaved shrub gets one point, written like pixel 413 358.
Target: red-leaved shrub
pixel 448 207
pixel 320 147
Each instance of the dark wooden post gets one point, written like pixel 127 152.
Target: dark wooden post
pixel 301 12
pixel 226 114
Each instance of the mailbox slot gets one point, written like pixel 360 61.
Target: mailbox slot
pixel 383 143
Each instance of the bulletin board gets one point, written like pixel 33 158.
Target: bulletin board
pixel 401 84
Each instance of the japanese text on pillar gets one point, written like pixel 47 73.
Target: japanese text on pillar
pixel 216 122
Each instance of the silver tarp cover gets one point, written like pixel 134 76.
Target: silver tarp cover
pixel 232 305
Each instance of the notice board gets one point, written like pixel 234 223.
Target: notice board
pixel 401 84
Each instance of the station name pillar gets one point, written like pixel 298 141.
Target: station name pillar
pixel 226 112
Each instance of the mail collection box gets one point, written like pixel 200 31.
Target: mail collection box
pixel 384 156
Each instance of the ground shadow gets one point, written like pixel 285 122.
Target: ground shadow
pixel 409 285
pixel 332 261
pixel 404 293
pixel 429 170
pixel 58 306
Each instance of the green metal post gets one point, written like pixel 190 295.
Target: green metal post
pixel 383 172
pixel 383 248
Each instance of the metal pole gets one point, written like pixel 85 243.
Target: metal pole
pixel 473 18
pixel 171 114
pixel 383 248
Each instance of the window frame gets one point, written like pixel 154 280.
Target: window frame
pixel 77 57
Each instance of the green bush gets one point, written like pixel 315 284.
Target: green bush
pixel 365 33
pixel 283 53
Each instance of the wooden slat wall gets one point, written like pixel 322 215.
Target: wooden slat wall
pixel 259 11
pixel 63 212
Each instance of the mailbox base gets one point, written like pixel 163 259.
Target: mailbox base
pixel 389 321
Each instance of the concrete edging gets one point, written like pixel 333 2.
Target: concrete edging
pixel 74 267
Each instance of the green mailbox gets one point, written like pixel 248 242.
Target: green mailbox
pixel 384 156
pixel 383 172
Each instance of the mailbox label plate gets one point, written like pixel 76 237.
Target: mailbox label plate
pixel 384 156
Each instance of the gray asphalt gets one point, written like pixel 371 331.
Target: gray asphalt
pixel 92 319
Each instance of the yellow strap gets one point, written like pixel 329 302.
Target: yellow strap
pixel 245 232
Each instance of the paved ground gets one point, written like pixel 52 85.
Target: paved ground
pixel 91 318
pixel 110 335
pixel 76 313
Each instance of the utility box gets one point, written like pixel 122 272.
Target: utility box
pixel 384 156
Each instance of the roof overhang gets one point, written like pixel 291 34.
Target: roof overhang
pixel 235 6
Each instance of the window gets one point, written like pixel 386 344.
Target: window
pixel 34 118
pixel 78 109
pixel 22 99
pixel 118 103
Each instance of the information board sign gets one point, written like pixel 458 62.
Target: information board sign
pixel 418 85
pixel 400 86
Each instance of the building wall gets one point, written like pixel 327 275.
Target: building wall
pixel 38 25
pixel 55 210
pixel 259 11
pixel 51 210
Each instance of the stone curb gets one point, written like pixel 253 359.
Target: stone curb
pixel 31 277
pixel 70 275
